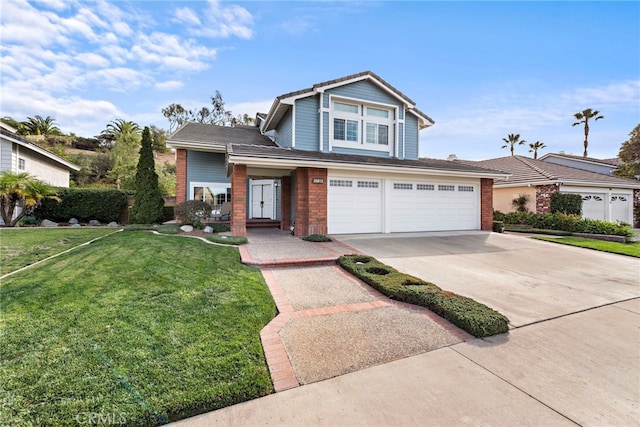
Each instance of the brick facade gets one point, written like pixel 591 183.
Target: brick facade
pixel 239 200
pixel 181 175
pixel 311 201
pixel 486 204
pixel 285 203
pixel 636 204
pixel 543 197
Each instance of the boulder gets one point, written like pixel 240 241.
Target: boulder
pixel 47 223
pixel 208 229
pixel 76 225
pixel 74 221
pixel 187 228
pixel 94 222
pixel 112 224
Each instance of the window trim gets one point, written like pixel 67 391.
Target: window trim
pixel 194 184
pixel 22 164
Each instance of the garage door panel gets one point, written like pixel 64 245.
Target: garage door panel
pixel 593 205
pixel 621 207
pixel 354 205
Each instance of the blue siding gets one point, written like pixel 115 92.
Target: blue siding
pixel 325 132
pixel 283 131
pixel 345 150
pixel 307 129
pixel 206 167
pixel 411 137
pixel 400 139
pixel 364 90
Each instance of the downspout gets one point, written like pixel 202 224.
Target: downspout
pixel 320 121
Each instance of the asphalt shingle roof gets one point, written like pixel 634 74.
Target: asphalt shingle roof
pixel 526 170
pixel 220 135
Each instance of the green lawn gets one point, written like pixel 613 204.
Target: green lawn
pixel 20 247
pixel 134 328
pixel 630 249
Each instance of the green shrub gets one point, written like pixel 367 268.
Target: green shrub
pixel 498 226
pixel 227 240
pixel 84 204
pixel 316 238
pixel 28 220
pixel 472 316
pixel 168 213
pixel 567 222
pixel 566 203
pixel 219 227
pixel 499 216
pixel 191 211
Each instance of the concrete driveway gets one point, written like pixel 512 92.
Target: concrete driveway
pixel 527 280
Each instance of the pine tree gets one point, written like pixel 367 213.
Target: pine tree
pixel 147 202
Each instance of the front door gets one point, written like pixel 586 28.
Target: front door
pixel 262 199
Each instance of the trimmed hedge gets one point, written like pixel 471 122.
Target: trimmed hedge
pixel 466 313
pixel 84 204
pixel 316 238
pixel 566 203
pixel 564 222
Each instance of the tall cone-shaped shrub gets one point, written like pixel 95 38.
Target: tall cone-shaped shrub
pixel 147 201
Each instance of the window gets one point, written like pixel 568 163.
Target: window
pixel 428 187
pixel 377 134
pixel 367 184
pixel 442 187
pixel 353 123
pixel 345 130
pixel 340 183
pixel 213 193
pixel 21 165
pixel 402 186
pixel 468 188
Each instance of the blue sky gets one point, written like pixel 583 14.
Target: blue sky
pixel 481 70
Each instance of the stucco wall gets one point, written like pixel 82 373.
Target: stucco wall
pixel 43 169
pixel 502 198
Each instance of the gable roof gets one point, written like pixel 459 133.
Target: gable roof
pixel 15 139
pixel 604 162
pixel 281 103
pixel 525 170
pixel 216 138
pixel 275 156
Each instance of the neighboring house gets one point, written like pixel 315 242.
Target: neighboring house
pixel 20 155
pixel 338 157
pixel 604 166
pixel 604 196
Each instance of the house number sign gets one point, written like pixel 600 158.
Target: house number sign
pixel 318 180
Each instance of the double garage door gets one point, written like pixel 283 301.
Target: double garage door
pixel 366 205
pixel 609 207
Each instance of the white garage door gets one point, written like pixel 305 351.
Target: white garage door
pixel 621 208
pixel 426 206
pixel 593 205
pixel 354 205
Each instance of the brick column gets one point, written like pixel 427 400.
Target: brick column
pixel 239 200
pixel 486 204
pixel 181 175
pixel 543 197
pixel 311 201
pixel 285 203
pixel 636 207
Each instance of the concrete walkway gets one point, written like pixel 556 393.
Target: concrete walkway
pixel 566 367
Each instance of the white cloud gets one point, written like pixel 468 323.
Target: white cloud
pixel 298 25
pixel 169 85
pixel 250 107
pixel 92 60
pixel 187 16
pixel 225 21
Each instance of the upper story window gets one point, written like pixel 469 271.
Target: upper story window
pixel 21 164
pixel 361 125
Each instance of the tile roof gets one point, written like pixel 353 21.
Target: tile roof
pixel 526 170
pixel 612 162
pixel 219 135
pixel 294 154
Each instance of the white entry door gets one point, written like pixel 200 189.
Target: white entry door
pixel 262 199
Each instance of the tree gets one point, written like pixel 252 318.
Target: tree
pixel 115 128
pixel 21 189
pixel 630 156
pixel 40 126
pixel 583 118
pixel 243 119
pixel 520 202
pixel 147 201
pixel 216 115
pixel 159 139
pixel 535 146
pixel 511 140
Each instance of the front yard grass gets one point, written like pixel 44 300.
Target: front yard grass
pixel 629 249
pixel 135 329
pixel 20 247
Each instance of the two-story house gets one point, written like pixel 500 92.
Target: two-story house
pixel 338 157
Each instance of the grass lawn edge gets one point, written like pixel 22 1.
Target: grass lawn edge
pixel 595 242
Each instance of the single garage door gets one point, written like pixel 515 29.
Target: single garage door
pixel 433 206
pixel 621 208
pixel 354 205
pixel 593 205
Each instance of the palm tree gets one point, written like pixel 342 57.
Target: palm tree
pixel 535 146
pixel 117 128
pixel 21 188
pixel 40 126
pixel 511 140
pixel 583 118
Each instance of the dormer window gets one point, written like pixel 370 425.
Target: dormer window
pixel 362 125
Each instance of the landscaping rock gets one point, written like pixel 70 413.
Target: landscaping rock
pixel 187 228
pixel 208 229
pixel 112 224
pixel 47 223
pixel 76 225
pixel 94 222
pixel 73 221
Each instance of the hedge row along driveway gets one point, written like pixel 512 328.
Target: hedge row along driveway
pixel 137 327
